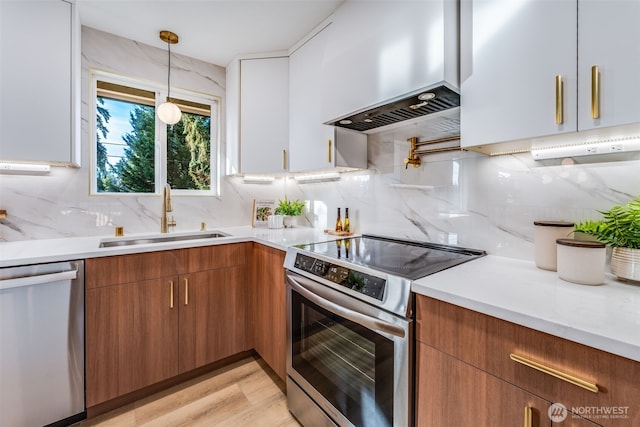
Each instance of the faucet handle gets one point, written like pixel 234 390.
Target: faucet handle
pixel 171 222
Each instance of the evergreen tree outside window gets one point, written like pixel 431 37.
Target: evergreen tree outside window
pixel 189 148
pixel 135 153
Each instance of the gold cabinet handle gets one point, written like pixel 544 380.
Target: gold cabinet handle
pixel 559 100
pixel 595 92
pixel 528 416
pixel 171 300
pixel 186 291
pixel 284 160
pixel 329 151
pixel 555 373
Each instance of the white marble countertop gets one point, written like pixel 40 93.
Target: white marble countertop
pixel 52 250
pixel 606 317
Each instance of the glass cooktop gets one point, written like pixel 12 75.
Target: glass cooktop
pixel 404 258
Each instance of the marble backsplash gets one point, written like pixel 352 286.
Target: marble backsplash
pixel 460 198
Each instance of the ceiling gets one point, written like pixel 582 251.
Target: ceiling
pixel 214 31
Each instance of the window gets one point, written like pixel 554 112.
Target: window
pixel 135 153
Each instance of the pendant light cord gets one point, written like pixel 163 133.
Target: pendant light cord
pixel 169 74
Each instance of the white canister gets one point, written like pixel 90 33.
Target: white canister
pixel 546 234
pixel 275 221
pixel 581 261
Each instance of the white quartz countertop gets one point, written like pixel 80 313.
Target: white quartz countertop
pixel 606 317
pixel 64 249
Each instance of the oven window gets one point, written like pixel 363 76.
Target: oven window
pixel 348 364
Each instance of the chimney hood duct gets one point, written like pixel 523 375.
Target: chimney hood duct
pixel 411 106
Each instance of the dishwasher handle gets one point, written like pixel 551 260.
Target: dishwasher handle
pixel 19 282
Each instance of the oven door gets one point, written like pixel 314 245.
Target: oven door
pixel 350 359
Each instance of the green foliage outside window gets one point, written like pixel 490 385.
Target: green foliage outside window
pixel 188 152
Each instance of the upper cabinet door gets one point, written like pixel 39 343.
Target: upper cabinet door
pixel 512 52
pixel 264 115
pixel 609 38
pixel 310 141
pixel 380 50
pixel 37 82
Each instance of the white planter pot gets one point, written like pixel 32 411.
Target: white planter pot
pixel 625 263
pixel 275 221
pixel 290 221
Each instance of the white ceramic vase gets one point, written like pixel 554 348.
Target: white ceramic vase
pixel 289 221
pixel 625 263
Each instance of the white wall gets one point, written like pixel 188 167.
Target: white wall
pixel 458 198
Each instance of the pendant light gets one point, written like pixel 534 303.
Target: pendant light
pixel 168 112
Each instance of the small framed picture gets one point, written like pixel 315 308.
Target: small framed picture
pixel 261 211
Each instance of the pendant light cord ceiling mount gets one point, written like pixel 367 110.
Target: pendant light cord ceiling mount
pixel 169 112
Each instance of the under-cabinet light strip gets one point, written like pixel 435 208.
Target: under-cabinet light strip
pixel 257 179
pixel 332 176
pixel 6 167
pixel 587 148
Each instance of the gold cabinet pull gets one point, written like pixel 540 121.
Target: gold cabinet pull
pixel 171 300
pixel 284 160
pixel 559 100
pixel 186 291
pixel 595 92
pixel 555 373
pixel 528 416
pixel 329 151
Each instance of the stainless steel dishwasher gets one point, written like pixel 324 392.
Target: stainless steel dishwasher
pixel 42 344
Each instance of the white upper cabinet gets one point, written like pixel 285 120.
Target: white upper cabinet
pixel 520 78
pixel 380 50
pixel 310 141
pixel 258 116
pixel 609 38
pixel 39 82
pixel 313 145
pixel 512 52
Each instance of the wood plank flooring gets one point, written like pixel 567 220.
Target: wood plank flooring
pixel 244 393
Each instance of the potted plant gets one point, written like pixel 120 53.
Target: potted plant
pixel 620 229
pixel 289 208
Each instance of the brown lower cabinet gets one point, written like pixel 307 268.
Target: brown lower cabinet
pixel 152 316
pixel 212 316
pixel 131 336
pixel 268 302
pixel 452 393
pixel 466 374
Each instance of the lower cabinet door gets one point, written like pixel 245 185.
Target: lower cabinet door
pixel 268 296
pixel 212 316
pixel 451 393
pixel 132 331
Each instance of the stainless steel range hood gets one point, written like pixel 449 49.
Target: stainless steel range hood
pixel 410 106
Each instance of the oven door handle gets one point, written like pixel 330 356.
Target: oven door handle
pixel 372 323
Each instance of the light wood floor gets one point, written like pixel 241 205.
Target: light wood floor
pixel 245 393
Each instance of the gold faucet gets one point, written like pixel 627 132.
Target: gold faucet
pixel 413 159
pixel 165 223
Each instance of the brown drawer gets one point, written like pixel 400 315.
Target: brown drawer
pixel 212 257
pixel 130 268
pixel 487 343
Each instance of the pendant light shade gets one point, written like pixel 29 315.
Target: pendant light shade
pixel 168 112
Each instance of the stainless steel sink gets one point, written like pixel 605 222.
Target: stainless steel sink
pixel 161 239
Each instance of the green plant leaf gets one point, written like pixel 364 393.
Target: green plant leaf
pixel 620 226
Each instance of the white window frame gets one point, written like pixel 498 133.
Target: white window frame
pixel 160 160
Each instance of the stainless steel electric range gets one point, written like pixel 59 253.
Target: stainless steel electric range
pixel 350 327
